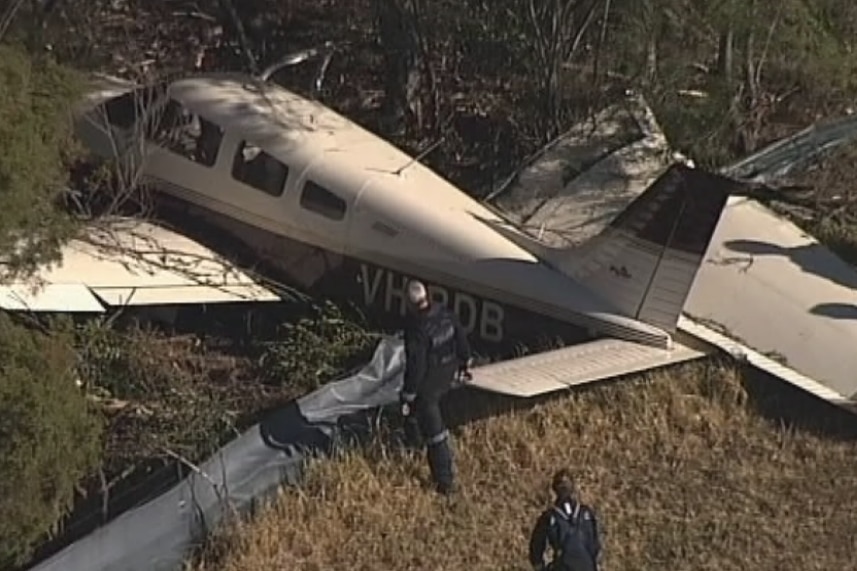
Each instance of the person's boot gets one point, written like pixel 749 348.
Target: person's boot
pixel 440 466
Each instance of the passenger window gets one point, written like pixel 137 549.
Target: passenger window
pixel 256 168
pixel 321 201
pixel 187 134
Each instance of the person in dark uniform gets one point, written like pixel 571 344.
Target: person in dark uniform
pixel 436 348
pixel 571 529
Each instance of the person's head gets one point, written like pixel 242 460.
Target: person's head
pixel 417 296
pixel 563 485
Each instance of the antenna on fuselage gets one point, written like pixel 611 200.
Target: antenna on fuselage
pixel 420 156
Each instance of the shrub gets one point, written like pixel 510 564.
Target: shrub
pixel 36 145
pixel 49 440
pixel 316 349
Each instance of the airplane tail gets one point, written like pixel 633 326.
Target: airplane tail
pixel 644 263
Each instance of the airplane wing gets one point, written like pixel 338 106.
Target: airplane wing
pixel 123 262
pixel 768 364
pixel 573 188
pixel 581 364
pixel 778 290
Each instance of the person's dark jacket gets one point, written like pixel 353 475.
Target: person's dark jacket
pixel 426 373
pixel 579 555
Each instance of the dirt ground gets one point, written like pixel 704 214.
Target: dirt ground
pixel 682 470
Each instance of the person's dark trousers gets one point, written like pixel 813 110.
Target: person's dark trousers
pixel 413 437
pixel 436 437
pixel 558 566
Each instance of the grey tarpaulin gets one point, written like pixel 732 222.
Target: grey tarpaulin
pixel 159 534
pixel 374 385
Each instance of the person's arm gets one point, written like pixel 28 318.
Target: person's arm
pixel 462 344
pixel 596 535
pixel 415 363
pixel 538 542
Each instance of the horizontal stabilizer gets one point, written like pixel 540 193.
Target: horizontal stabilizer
pixel 577 365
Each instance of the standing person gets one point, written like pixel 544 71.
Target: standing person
pixel 436 348
pixel 571 529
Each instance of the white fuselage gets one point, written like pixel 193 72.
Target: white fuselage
pixel 394 213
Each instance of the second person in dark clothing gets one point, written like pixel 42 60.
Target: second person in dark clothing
pixel 436 348
pixel 571 529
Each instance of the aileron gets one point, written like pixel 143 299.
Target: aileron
pixel 53 298
pixel 128 262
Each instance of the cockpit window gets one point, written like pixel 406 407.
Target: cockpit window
pixel 147 113
pixel 256 168
pixel 318 199
pixel 124 111
pixel 188 134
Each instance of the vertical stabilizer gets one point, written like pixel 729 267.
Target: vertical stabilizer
pixel 645 261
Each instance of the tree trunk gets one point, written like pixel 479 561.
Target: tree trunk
pixel 750 82
pixel 725 56
pixel 751 88
pixel 651 59
pixel 404 60
pixel 649 22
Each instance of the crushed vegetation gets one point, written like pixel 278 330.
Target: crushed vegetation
pixel 683 471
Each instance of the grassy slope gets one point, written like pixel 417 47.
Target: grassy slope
pixel 685 475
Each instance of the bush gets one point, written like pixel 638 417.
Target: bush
pixel 49 440
pixel 36 145
pixel 316 349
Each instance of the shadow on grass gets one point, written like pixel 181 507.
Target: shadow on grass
pixel 794 408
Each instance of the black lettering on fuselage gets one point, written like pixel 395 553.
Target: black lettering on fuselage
pixel 481 317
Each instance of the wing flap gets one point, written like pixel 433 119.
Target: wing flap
pixel 578 365
pixel 181 294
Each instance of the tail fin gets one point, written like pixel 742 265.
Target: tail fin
pixel 644 263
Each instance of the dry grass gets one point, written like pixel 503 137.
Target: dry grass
pixel 683 473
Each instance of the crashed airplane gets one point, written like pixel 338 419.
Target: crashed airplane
pixel 344 213
pixel 620 232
